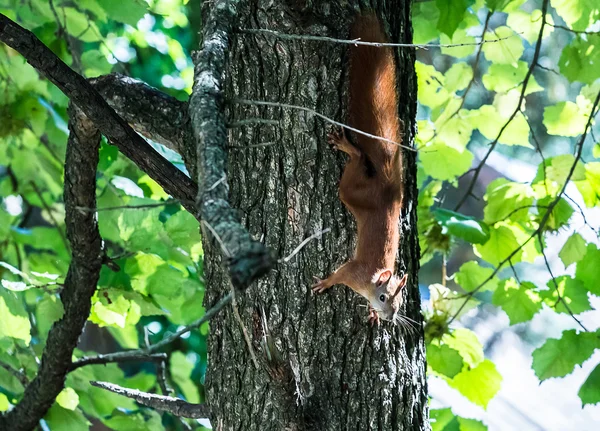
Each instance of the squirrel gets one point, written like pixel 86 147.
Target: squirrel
pixel 371 185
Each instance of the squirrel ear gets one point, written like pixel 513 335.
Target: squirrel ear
pixel 384 277
pixel 403 281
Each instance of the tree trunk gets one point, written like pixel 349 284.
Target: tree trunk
pixel 321 366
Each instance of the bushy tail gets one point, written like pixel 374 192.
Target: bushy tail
pixel 373 103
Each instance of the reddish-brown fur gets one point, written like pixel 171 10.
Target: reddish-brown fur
pixel 371 185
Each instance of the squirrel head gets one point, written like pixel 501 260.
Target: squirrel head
pixel 387 297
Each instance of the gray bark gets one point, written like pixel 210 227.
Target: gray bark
pixel 322 366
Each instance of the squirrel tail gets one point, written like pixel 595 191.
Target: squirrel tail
pixel 373 102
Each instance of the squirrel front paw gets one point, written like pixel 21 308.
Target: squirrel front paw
pixel 373 316
pixel 338 141
pixel 320 286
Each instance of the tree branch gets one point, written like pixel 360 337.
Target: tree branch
pixel 175 406
pixel 249 259
pixel 117 131
pixel 80 283
pixel 113 357
pixel 152 113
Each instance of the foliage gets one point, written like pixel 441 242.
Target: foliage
pixel 158 250
pixel 498 101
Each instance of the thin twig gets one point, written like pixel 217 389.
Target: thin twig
pixel 175 406
pixel 131 207
pixel 218 238
pixel 19 375
pixel 560 298
pixel 312 111
pixel 562 27
pixel 303 243
pixel 355 42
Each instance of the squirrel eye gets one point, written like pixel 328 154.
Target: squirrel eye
pixel 382 298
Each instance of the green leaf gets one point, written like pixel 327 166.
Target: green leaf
pixel 570 291
pixel 560 215
pixel 578 14
pixel 183 229
pixel 68 399
pixel 508 48
pixel 460 36
pixel 461 226
pixel 558 168
pixel 507 200
pixel 125 11
pixel 471 275
pixel 79 25
pixel 504 77
pixel 181 371
pixel 452 13
pixel 430 86
pixel 558 357
pixel 434 159
pixel 480 384
pixel 48 311
pixel 443 420
pixel 60 419
pixel 587 269
pixel 471 425
pixel 580 58
pixel 573 250
pixel 489 121
pixel 528 23
pixel 95 63
pixel 519 301
pixel 466 343
pixel 425 18
pixel 148 420
pixel 589 393
pixel 565 119
pixel 14 322
pixel 506 238
pixel 4 404
pixel 458 76
pixel 444 360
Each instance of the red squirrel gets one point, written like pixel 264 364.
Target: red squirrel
pixel 371 185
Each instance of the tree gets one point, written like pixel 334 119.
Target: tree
pixel 270 368
pixel 508 93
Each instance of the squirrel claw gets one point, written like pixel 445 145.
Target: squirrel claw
pixel 373 316
pixel 319 286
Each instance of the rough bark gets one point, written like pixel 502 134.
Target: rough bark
pixel 322 366
pixel 80 284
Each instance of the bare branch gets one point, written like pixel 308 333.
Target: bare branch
pixel 248 259
pixel 115 358
pixel 175 406
pixel 81 92
pixel 152 113
pixel 80 284
pixel 318 114
pixel 302 244
pixel 287 36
